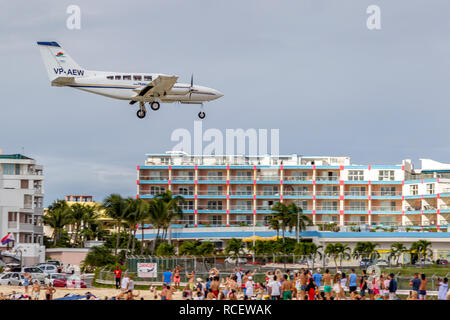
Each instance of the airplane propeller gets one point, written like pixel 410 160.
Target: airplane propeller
pixel 191 88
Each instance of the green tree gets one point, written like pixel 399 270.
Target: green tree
pixel 58 216
pixel 365 250
pixel 297 219
pixel 99 256
pixel 116 208
pixel 337 251
pixel 397 249
pixel 165 250
pixel 422 248
pixel 188 248
pixel 234 247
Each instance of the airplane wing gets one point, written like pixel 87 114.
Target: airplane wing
pixel 158 87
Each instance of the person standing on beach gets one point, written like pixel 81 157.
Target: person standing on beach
pixel 50 290
pixel 423 287
pixel 167 277
pixel 117 276
pixel 415 283
pixel 36 290
pixel 286 288
pixel 191 279
pixel 26 281
pixel 392 287
pixel 124 283
pixel 443 288
pixel 327 284
pixel 352 281
pixel 274 289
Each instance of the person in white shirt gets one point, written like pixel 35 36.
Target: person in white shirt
pixel 124 283
pixel 249 287
pixel 443 288
pixel 274 288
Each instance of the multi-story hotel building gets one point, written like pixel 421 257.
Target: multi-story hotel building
pixel 240 190
pixel 21 198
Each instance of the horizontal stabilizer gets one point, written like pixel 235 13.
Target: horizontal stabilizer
pixel 62 81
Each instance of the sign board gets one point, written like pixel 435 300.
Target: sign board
pixel 147 270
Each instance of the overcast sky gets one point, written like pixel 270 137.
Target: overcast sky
pixel 309 68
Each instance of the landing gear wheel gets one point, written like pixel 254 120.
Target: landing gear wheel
pixel 201 115
pixel 155 105
pixel 141 114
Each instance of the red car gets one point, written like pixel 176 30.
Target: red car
pixel 75 282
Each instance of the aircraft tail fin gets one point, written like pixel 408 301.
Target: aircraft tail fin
pixel 58 63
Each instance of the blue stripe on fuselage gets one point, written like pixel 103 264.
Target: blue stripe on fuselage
pixel 102 87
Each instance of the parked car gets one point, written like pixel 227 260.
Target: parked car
pixel 75 282
pixel 382 263
pixel 36 273
pixel 424 261
pixel 54 262
pixel 442 261
pixel 232 260
pixel 365 262
pixel 11 279
pixel 56 279
pixel 47 268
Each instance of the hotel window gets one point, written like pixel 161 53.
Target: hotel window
pixel 330 191
pixel 147 78
pixel 128 77
pixel 244 219
pixel 117 77
pixel 358 206
pixel 357 219
pixel 215 175
pixel 386 175
pixel 355 175
pixel 302 204
pixel 217 220
pixel 329 219
pixel 190 219
pixel 430 188
pixel 23 184
pixel 11 168
pixel 28 200
pixel 297 190
pixel 299 175
pixel 186 190
pixel 414 189
pixel 387 206
pixel 214 205
pixel 330 205
pixel 244 175
pixel 243 205
pixel 243 190
pixel 185 175
pixel 387 191
pixel 215 190
pixel 137 78
pixel 357 191
pixel 187 205
pixel 270 190
pixel 155 190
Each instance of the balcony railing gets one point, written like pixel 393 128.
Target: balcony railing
pixel 212 178
pixel 212 193
pixel 241 193
pixel 241 178
pixel 356 193
pixel 183 178
pixel 355 208
pixel 298 193
pixel 297 178
pixel 386 209
pixel 328 208
pixel 327 193
pixel 332 178
pixel 267 193
pixel 153 178
pixel 241 207
pixel 387 193
pixel 268 178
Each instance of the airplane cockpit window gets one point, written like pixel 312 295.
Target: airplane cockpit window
pixel 138 78
pixel 110 77
pixel 147 78
pixel 126 77
pixel 118 77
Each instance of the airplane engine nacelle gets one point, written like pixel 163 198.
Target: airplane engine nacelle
pixel 179 91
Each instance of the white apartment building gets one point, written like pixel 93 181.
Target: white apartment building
pixel 21 199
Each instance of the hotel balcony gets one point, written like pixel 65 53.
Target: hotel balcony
pixel 297 178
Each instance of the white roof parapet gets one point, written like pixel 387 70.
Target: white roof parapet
pixel 431 165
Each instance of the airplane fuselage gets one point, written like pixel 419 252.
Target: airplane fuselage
pixel 123 86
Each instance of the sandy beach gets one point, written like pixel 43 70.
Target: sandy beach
pixel 98 292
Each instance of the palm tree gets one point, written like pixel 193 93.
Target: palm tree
pixel 235 248
pixel 275 225
pixel 338 251
pixel 365 249
pixel 397 249
pixel 157 213
pixel 422 247
pixel 173 207
pixel 116 208
pixel 77 212
pixel 297 218
pixel 131 219
pixel 314 251
pixel 58 216
pixel 284 216
pixel 332 251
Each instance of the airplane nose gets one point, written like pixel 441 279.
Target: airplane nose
pixel 218 94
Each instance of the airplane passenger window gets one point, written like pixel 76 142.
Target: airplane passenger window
pixel 126 77
pixel 147 78
pixel 118 77
pixel 110 77
pixel 139 78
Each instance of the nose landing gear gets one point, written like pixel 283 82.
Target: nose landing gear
pixel 202 115
pixel 155 105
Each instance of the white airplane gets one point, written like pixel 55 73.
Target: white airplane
pixel 153 88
